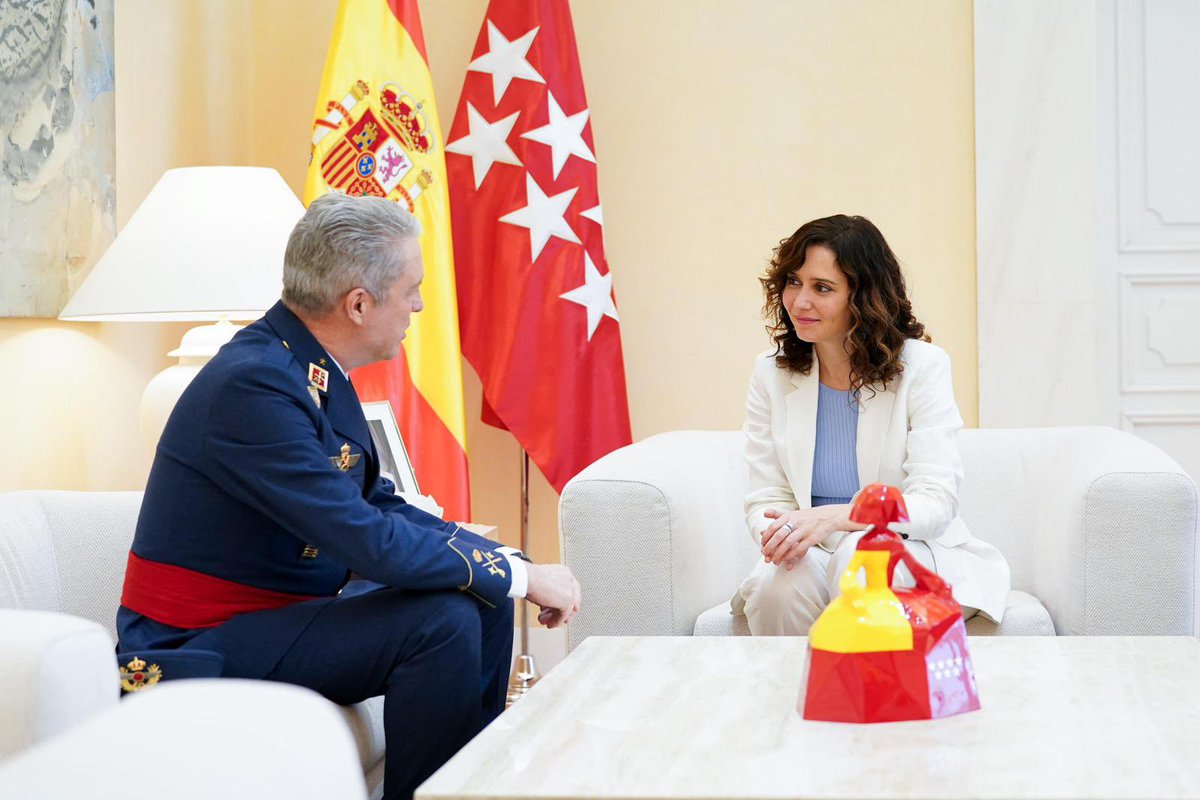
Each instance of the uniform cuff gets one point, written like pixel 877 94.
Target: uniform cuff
pixel 518 570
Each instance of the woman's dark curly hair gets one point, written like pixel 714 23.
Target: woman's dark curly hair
pixel 881 317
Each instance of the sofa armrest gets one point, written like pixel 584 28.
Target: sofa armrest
pixel 654 532
pixel 1140 545
pixel 1099 525
pixel 56 671
pixel 198 739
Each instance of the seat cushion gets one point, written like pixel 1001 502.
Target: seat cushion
pixel 1023 616
pixel 721 621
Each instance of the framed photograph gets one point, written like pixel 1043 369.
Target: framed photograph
pixel 394 463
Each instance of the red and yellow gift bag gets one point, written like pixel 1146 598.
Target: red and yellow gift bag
pixel 884 654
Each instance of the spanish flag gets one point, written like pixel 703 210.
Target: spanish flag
pixel 376 132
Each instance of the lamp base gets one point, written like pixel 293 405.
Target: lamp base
pixel 198 345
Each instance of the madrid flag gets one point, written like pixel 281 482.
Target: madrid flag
pixel 376 133
pixel 539 322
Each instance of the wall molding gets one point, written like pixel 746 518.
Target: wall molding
pixel 1130 338
pixel 1142 228
pixel 1130 420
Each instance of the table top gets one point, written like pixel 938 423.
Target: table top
pixel 695 717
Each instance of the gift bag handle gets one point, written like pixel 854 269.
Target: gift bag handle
pixel 925 578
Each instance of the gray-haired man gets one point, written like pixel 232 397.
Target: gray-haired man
pixel 265 495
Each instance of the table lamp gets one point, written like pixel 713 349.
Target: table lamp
pixel 206 245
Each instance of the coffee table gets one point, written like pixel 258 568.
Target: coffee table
pixel 685 717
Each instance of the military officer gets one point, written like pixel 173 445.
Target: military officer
pixel 265 495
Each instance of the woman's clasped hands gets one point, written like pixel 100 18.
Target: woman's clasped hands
pixel 792 533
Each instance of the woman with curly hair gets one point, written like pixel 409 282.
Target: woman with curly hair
pixel 852 393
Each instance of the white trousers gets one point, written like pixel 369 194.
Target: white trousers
pixel 782 602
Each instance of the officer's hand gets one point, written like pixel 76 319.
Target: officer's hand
pixel 554 588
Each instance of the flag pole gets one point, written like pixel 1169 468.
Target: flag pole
pixel 525 673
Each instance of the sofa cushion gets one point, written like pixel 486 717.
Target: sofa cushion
pixel 66 551
pixel 29 576
pixel 721 621
pixel 1023 616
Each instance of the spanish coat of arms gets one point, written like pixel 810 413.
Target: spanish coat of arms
pixel 379 137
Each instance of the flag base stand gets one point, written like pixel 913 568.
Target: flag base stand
pixel 524 676
pixel 525 673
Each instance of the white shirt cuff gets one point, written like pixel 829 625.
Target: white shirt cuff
pixel 519 571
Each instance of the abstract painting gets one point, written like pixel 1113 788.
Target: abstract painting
pixel 57 149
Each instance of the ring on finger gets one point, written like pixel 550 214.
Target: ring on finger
pixel 790 527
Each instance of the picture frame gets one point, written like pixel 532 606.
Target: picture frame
pixel 394 463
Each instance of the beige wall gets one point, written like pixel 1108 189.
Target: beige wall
pixel 719 128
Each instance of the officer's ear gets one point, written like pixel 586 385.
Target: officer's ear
pixel 354 304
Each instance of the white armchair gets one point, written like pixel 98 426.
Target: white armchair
pixel 65 553
pixel 195 740
pixel 1098 526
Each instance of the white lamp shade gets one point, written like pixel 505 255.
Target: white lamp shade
pixel 207 243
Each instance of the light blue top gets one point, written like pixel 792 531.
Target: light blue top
pixel 835 458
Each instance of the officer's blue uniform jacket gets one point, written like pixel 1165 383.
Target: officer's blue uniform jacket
pixel 247 506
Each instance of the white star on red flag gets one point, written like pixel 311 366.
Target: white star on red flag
pixel 563 134
pixel 595 295
pixel 486 144
pixel 505 60
pixel 543 216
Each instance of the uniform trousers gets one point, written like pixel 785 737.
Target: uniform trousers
pixel 782 602
pixel 440 659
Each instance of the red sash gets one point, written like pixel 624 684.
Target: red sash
pixel 183 598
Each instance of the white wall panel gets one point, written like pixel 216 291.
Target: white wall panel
pixel 1039 291
pixel 1088 205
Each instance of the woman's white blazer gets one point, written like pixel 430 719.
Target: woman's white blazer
pixel 907 437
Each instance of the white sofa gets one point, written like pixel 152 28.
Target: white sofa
pixel 65 553
pixel 195 740
pixel 1099 528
